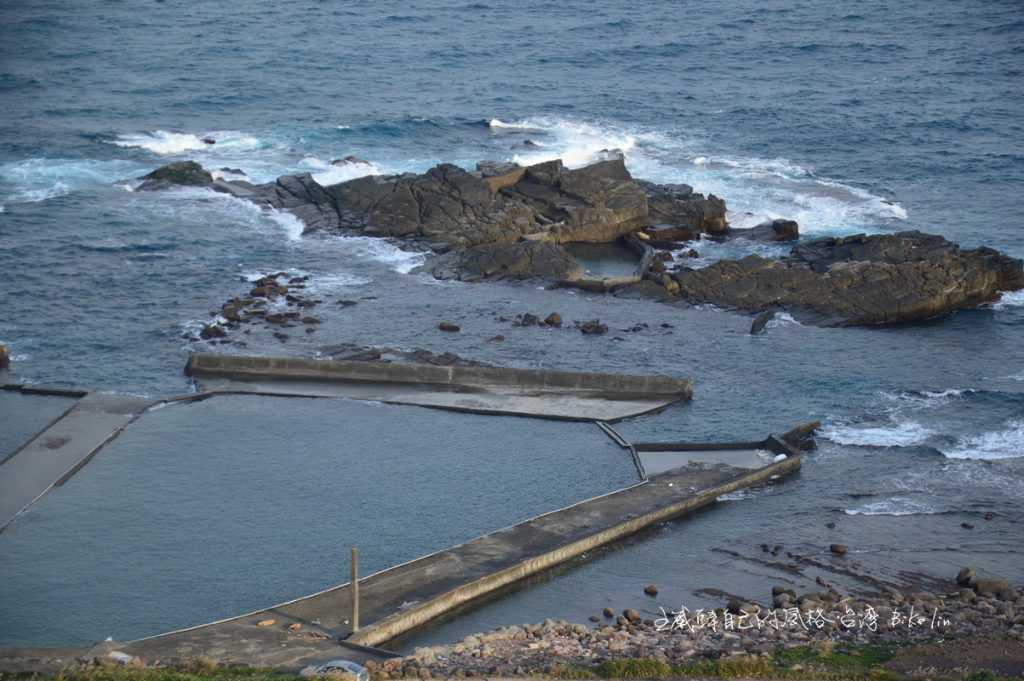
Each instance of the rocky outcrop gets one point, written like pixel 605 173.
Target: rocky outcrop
pixel 520 260
pixel 180 174
pixel 677 213
pixel 448 207
pixel 772 230
pixel 597 203
pixel 299 195
pixel 859 280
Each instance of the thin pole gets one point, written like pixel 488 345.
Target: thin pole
pixel 355 589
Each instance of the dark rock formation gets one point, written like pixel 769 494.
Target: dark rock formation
pixel 300 195
pixel 498 203
pixel 860 280
pixel 179 174
pixel 520 260
pixel 597 203
pixel 445 204
pixel 593 327
pixel 363 353
pixel 761 322
pixel 679 214
pixel 773 230
pixel 5 357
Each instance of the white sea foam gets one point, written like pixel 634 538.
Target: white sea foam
pixel 164 142
pixel 203 199
pixel 335 281
pixel 291 225
pixel 576 143
pixel 925 399
pixel 999 444
pixel 896 506
pixel 782 319
pixel 229 175
pixel 383 251
pixel 517 125
pixel 38 179
pixel 1009 299
pixel 900 434
pixel 764 187
pixel 327 174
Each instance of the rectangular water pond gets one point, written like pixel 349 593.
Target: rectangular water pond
pixel 23 416
pixel 209 509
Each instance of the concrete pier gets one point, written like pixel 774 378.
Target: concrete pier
pixel 55 454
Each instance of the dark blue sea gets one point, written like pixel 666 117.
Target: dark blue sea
pixel 847 117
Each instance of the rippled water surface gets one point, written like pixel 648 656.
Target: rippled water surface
pixel 867 118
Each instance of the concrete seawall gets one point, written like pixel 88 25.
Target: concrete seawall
pixel 454 377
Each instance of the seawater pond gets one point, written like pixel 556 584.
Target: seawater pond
pixel 23 416
pixel 209 509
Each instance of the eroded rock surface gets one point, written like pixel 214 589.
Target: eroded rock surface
pixel 859 280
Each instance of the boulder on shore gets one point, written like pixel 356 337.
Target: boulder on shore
pixel 859 280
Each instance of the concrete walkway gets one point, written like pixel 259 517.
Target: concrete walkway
pixel 402 598
pixel 58 452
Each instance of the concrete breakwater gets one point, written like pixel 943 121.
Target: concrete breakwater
pixel 490 390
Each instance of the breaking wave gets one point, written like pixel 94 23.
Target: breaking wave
pixel 382 251
pixel 901 434
pixel 165 143
pixel 763 188
pixel 327 174
pixel 40 179
pixel 896 506
pixel 1009 299
pixel 999 444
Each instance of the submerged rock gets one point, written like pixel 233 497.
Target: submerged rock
pixel 859 280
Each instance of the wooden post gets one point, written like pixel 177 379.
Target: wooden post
pixel 355 589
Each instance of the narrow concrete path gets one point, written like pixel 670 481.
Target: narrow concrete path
pixel 407 596
pixel 59 451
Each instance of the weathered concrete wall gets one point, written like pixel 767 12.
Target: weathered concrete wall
pixel 291 368
pixel 408 619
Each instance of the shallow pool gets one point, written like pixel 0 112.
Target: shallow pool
pixel 23 416
pixel 210 509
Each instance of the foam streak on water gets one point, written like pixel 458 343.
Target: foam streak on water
pixel 902 434
pixel 1007 443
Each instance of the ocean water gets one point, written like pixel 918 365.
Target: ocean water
pixel 873 118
